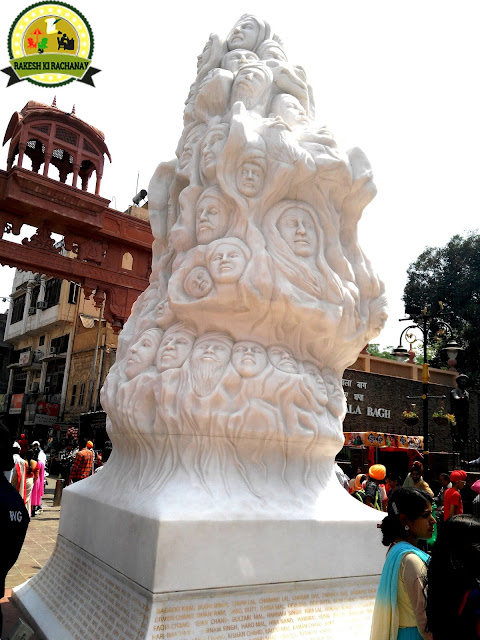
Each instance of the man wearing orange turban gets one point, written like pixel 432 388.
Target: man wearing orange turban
pixel 376 475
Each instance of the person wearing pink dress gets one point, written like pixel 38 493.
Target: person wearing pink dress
pixel 38 489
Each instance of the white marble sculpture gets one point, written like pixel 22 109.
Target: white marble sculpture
pixel 218 513
pixel 228 377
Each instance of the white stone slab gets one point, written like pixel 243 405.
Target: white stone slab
pixel 77 597
pixel 164 552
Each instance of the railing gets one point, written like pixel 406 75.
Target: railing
pixel 382 366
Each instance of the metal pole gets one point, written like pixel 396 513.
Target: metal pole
pixel 94 363
pixel 99 377
pixel 425 377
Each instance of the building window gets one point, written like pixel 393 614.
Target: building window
pixel 127 261
pixel 81 395
pixel 41 341
pixel 73 293
pixel 19 382
pixel 34 297
pixel 18 308
pixel 74 395
pixel 60 345
pixel 52 292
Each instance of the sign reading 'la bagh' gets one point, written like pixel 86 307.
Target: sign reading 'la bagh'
pixel 355 408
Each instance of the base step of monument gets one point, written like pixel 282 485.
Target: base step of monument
pixel 78 597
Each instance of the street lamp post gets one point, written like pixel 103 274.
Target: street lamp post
pixel 427 322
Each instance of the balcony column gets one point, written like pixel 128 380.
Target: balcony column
pixel 21 151
pixel 47 158
pixel 76 169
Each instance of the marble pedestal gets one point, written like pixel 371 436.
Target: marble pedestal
pixel 119 573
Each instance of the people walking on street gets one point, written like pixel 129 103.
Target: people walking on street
pixel 23 442
pixel 32 472
pixel 392 483
pixel 83 465
pixel 38 489
pixel 373 493
pixel 13 515
pixel 399 612
pixel 476 502
pixel 19 476
pixel 415 478
pixel 453 581
pixel 446 484
pixel 39 454
pixel 452 500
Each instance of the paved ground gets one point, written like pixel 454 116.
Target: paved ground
pixel 39 544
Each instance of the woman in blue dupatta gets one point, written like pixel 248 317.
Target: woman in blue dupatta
pixel 399 612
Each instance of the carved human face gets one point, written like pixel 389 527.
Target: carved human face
pixel 249 358
pixel 334 387
pixel 250 84
pixel 141 355
pixel 234 60
pixel 244 34
pixel 314 372
pixel 227 263
pixel 212 351
pixel 212 147
pixel 164 315
pixel 189 147
pixel 297 229
pixel 174 350
pixel 282 358
pixel 316 378
pixel 212 219
pixel 274 52
pixel 380 321
pixel 290 110
pixel 198 283
pixel 204 56
pixel 250 177
pixel 210 356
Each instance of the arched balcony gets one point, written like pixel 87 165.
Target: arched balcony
pixel 50 137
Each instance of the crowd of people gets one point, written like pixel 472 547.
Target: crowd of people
pixel 69 459
pixel 430 586
pixel 28 473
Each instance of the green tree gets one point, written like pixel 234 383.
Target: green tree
pixel 451 274
pixel 374 350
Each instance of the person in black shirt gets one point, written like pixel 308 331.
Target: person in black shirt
pixel 14 517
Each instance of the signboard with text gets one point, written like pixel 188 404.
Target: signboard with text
pixel 382 440
pixel 47 413
pixel 16 403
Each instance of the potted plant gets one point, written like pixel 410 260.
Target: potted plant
pixel 442 418
pixel 410 418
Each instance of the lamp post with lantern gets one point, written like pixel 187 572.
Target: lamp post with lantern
pixel 431 326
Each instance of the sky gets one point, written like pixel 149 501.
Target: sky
pixel 398 79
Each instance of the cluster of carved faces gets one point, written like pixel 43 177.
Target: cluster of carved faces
pixel 233 225
pixel 250 59
pixel 247 59
pixel 226 260
pixel 248 358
